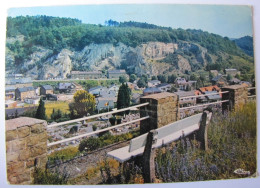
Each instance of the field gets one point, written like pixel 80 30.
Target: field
pixel 63 106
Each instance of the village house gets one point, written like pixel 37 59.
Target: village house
pixel 116 73
pixel 164 87
pixel 10 104
pixel 208 90
pixel 103 103
pixel 34 100
pixel 191 101
pixel 25 92
pixel 151 90
pixel 219 80
pixel 9 92
pixel 153 83
pixel 214 72
pixel 114 88
pixel 86 75
pixel 234 81
pixel 232 72
pixel 46 89
pixel 19 82
pixel 132 86
pixel 67 87
pixel 184 85
pixel 96 90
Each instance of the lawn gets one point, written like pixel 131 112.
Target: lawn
pixel 50 105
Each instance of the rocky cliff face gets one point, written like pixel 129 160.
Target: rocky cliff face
pixel 145 59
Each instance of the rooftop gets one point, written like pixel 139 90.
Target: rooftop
pixel 209 88
pixel 85 72
pixel 48 87
pixel 116 71
pixel 25 89
pixel 152 90
pixel 163 85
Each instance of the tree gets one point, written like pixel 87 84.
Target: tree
pixel 132 78
pixel 40 113
pixel 229 77
pixel 123 98
pixel 83 104
pixel 154 78
pixel 162 78
pixel 122 79
pixel 141 83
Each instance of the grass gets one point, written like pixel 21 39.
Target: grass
pixel 64 154
pixel 232 143
pixel 50 105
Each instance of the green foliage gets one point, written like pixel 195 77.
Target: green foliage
pixel 63 154
pixel 132 78
pixel 40 113
pixel 57 33
pixel 142 82
pixel 122 79
pixel 154 78
pixel 45 177
pixel 229 77
pixel 162 78
pixel 91 144
pixel 83 104
pixel 123 98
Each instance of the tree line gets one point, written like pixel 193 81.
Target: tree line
pixel 56 33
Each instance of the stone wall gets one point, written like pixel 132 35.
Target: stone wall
pixel 26 145
pixel 237 96
pixel 163 109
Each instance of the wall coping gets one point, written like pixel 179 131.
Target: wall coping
pixel 159 95
pixel 21 122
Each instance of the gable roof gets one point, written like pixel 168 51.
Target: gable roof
pixel 152 90
pixel 25 89
pixel 65 85
pixel 116 71
pixel 209 88
pixel 163 85
pixel 47 87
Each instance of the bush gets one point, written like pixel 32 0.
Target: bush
pixel 64 154
pixel 45 177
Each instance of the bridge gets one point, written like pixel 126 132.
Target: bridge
pixel 27 140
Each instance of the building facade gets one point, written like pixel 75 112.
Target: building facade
pixel 86 75
pixel 116 73
pixel 25 92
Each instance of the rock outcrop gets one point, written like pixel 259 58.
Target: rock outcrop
pixel 144 59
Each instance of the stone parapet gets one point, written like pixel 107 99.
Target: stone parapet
pixel 163 109
pixel 237 96
pixel 26 144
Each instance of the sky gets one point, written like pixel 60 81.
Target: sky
pixel 233 21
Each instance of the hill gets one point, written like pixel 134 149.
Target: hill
pixel 43 47
pixel 246 44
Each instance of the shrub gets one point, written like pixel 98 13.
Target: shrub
pixel 64 154
pixel 45 177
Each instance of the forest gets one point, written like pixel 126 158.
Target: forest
pixel 56 33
